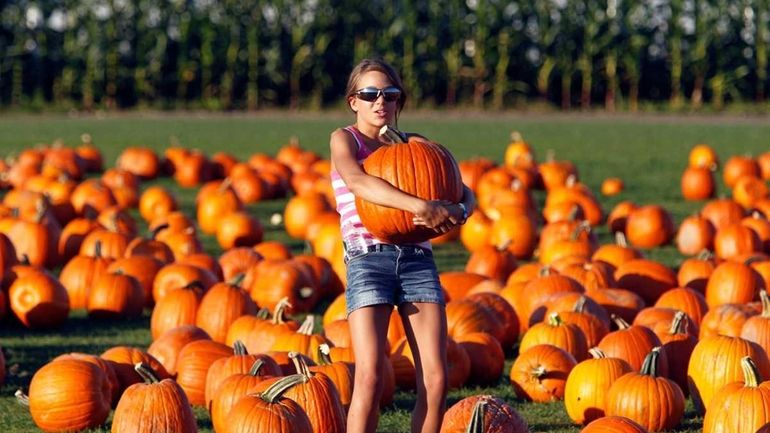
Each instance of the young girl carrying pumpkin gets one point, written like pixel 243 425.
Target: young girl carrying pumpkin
pixel 381 275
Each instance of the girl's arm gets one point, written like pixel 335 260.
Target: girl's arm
pixel 376 190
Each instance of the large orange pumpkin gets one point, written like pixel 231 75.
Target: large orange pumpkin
pixel 419 167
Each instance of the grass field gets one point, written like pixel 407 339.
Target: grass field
pixel 647 153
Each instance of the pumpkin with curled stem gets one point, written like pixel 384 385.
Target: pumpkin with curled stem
pixel 483 413
pixel 418 167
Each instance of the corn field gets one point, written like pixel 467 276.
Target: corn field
pixel 486 54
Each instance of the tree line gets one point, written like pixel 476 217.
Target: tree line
pixel 486 54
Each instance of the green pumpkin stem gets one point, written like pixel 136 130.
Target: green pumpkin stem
pixel 393 134
pixel 650 365
pixel 239 349
pixel 555 320
pixel 147 373
pixel 620 239
pixel 154 232
pixel 622 324
pixel 21 398
pixel 300 365
pixel 237 280
pixel 583 226
pixel 597 353
pixel 324 354
pixel 477 418
pixel 254 370
pixel 580 305
pixel 679 324
pixel 263 313
pixel 276 390
pixel 751 375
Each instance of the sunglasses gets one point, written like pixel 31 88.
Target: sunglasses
pixel 371 94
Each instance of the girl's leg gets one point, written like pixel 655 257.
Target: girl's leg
pixel 368 331
pixel 426 330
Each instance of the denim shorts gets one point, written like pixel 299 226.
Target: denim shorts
pixel 391 274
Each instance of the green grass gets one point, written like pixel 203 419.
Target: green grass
pixel 647 153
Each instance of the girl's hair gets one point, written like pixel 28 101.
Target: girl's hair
pixel 367 65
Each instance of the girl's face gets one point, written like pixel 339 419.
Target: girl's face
pixel 380 111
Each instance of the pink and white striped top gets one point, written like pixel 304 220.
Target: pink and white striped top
pixel 354 234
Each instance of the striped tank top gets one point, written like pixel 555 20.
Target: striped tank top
pixel 355 236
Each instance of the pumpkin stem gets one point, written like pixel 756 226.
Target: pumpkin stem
pixel 239 349
pixel 516 184
pixel 155 230
pixel 622 324
pixel 276 390
pixel 280 309
pixel 573 212
pixel 583 226
pixel 306 328
pixel 237 280
pixel 597 353
pixel 276 219
pixel 751 375
pixel 147 373
pixel 555 320
pixel 263 313
pixel 765 303
pixel 21 398
pixel 650 365
pixel 98 249
pixel 679 324
pixel 393 134
pixel 620 239
pixel 195 285
pixel 324 354
pixel 300 365
pixel 86 138
pixel 516 137
pixel 545 271
pixel 504 246
pixel 477 418
pixel 254 370
pixel 580 305
pixel 538 372
pixel 224 185
pixel 704 255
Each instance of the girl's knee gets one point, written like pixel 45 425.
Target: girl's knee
pixel 435 382
pixel 369 380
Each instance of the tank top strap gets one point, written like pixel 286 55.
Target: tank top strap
pixel 362 151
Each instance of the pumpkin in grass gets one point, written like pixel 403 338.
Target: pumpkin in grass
pixel 39 300
pixel 695 234
pixel 284 278
pixel 104 365
pixel 738 166
pixel 618 216
pixel 80 273
pixel 222 304
pixel 300 210
pixel 341 374
pixel 269 411
pixel 734 240
pixel 616 254
pixel 238 229
pixel 260 332
pixel 727 319
pixel 146 406
pixel 757 328
pixel 141 161
pixel 458 283
pixel 303 340
pixel 177 275
pixel 179 307
pixel 155 202
pixel 486 357
pixel 492 262
pixel 722 212
pixel 678 344
pixel 689 301
pixel 115 296
pixel 124 358
pixel 166 347
pixel 483 414
pixel 68 395
pixel 695 272
pixel 661 398
pixel 233 388
pixel 143 268
pixel 214 202
pixel 697 183
pixel 540 373
pixel 556 332
pixel 716 362
pixel 504 313
pixel 613 424
pixel 588 383
pixel 420 168
pixel 465 316
pixel 733 283
pixel 649 227
pixel 740 407
pixel 193 364
pixel 648 278
pixel 240 362
pixel 632 343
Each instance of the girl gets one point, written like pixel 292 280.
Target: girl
pixel 381 275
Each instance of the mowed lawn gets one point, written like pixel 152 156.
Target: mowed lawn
pixel 648 153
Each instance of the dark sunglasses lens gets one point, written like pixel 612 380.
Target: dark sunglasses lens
pixel 368 95
pixel 391 94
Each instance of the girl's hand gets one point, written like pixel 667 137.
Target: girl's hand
pixel 433 214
